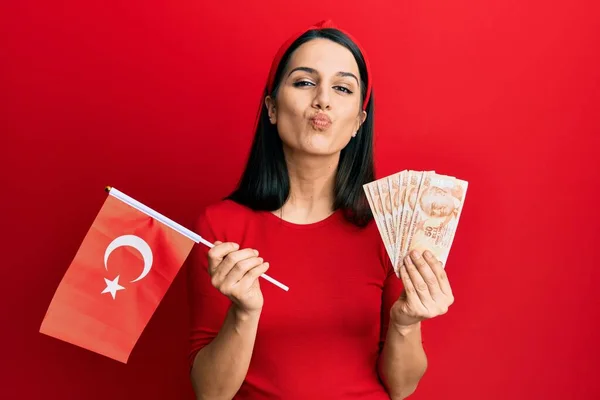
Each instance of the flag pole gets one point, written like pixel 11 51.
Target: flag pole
pixel 174 225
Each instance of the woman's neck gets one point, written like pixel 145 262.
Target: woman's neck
pixel 312 182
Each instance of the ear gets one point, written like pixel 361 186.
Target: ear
pixel 270 103
pixel 360 119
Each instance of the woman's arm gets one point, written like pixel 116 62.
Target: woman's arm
pixel 221 366
pixel 403 362
pixel 427 294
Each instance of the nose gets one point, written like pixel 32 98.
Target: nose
pixel 322 100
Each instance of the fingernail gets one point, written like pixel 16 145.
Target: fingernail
pixel 236 246
pixel 267 264
pixel 416 255
pixel 428 254
pixel 407 260
pixel 256 252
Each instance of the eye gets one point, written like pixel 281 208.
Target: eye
pixel 343 89
pixel 302 83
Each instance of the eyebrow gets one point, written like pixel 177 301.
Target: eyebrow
pixel 314 71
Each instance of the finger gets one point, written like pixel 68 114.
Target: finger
pixel 218 252
pixel 438 269
pixel 239 270
pixel 409 288
pixel 418 282
pixel 251 277
pixel 223 268
pixel 427 275
pixel 410 292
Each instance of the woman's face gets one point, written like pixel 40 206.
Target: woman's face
pixel 318 104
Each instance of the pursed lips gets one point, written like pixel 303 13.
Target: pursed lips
pixel 320 121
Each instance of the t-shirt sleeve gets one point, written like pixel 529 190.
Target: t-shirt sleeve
pixel 392 288
pixel 207 306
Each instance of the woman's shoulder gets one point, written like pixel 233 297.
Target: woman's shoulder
pixel 223 219
pixel 224 209
pixel 222 212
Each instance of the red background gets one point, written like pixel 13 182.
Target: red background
pixel 158 99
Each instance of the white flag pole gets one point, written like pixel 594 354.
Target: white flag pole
pixel 174 225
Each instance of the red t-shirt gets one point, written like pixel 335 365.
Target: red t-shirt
pixel 322 338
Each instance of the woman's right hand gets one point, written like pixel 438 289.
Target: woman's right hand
pixel 235 273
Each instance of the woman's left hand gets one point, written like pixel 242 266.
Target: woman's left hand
pixel 427 292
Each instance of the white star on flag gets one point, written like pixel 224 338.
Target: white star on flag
pixel 112 286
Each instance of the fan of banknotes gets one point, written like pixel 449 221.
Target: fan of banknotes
pixel 416 210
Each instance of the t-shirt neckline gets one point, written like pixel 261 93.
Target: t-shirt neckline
pixel 325 221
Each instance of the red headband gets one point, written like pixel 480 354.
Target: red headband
pixel 319 25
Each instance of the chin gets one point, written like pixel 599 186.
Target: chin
pixel 315 143
pixel 320 145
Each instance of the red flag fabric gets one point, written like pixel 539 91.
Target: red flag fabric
pixel 119 275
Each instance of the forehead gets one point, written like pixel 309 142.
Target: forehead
pixel 324 55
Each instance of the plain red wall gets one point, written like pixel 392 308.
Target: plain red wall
pixel 158 99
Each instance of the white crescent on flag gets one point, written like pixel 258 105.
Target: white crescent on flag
pixel 137 243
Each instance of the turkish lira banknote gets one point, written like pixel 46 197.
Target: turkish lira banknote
pixel 416 210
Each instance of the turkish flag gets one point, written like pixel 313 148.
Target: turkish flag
pixel 119 275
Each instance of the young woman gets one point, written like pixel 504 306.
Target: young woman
pixel 346 329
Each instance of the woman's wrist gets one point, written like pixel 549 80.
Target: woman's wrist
pixel 404 326
pixel 406 330
pixel 240 315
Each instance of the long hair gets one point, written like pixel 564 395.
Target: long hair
pixel 265 183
